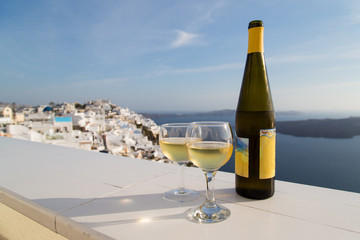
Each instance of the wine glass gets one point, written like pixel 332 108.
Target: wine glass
pixel 209 146
pixel 172 144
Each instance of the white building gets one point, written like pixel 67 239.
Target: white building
pixel 63 124
pixel 69 107
pixel 6 115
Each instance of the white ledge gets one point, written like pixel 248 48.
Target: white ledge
pixel 86 195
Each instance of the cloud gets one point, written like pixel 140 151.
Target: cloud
pixel 184 39
pixel 206 69
pixel 206 14
pixel 352 84
pixel 99 82
pixel 307 98
pixel 296 58
pixel 354 13
pixel 203 17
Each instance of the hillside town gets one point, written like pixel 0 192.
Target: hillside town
pixel 96 126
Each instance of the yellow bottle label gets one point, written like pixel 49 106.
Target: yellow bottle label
pixel 256 36
pixel 242 157
pixel 267 153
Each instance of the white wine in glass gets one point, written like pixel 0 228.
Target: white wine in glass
pixel 174 148
pixel 209 146
pixel 210 155
pixel 172 144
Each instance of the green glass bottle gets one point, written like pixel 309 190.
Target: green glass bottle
pixel 255 124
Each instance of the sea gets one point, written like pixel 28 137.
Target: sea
pixel 323 162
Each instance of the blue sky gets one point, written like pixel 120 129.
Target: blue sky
pixel 161 55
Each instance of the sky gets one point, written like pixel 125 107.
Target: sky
pixel 176 56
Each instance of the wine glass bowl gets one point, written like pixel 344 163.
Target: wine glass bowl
pixel 209 146
pixel 172 144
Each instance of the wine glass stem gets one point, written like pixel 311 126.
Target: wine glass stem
pixel 210 194
pixel 181 187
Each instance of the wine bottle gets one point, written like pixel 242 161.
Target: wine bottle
pixel 255 124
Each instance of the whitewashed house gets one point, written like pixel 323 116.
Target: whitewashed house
pixel 6 115
pixel 63 124
pixel 69 107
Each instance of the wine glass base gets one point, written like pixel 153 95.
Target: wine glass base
pixel 184 195
pixel 202 214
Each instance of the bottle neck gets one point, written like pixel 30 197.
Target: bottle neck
pixel 256 37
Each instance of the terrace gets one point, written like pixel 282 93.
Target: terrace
pixel 53 192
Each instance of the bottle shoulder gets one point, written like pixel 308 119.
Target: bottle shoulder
pixel 255 94
pixel 249 123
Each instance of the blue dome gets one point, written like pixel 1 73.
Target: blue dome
pixel 47 109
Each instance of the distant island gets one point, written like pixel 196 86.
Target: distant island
pixel 226 112
pixel 317 128
pixel 321 128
